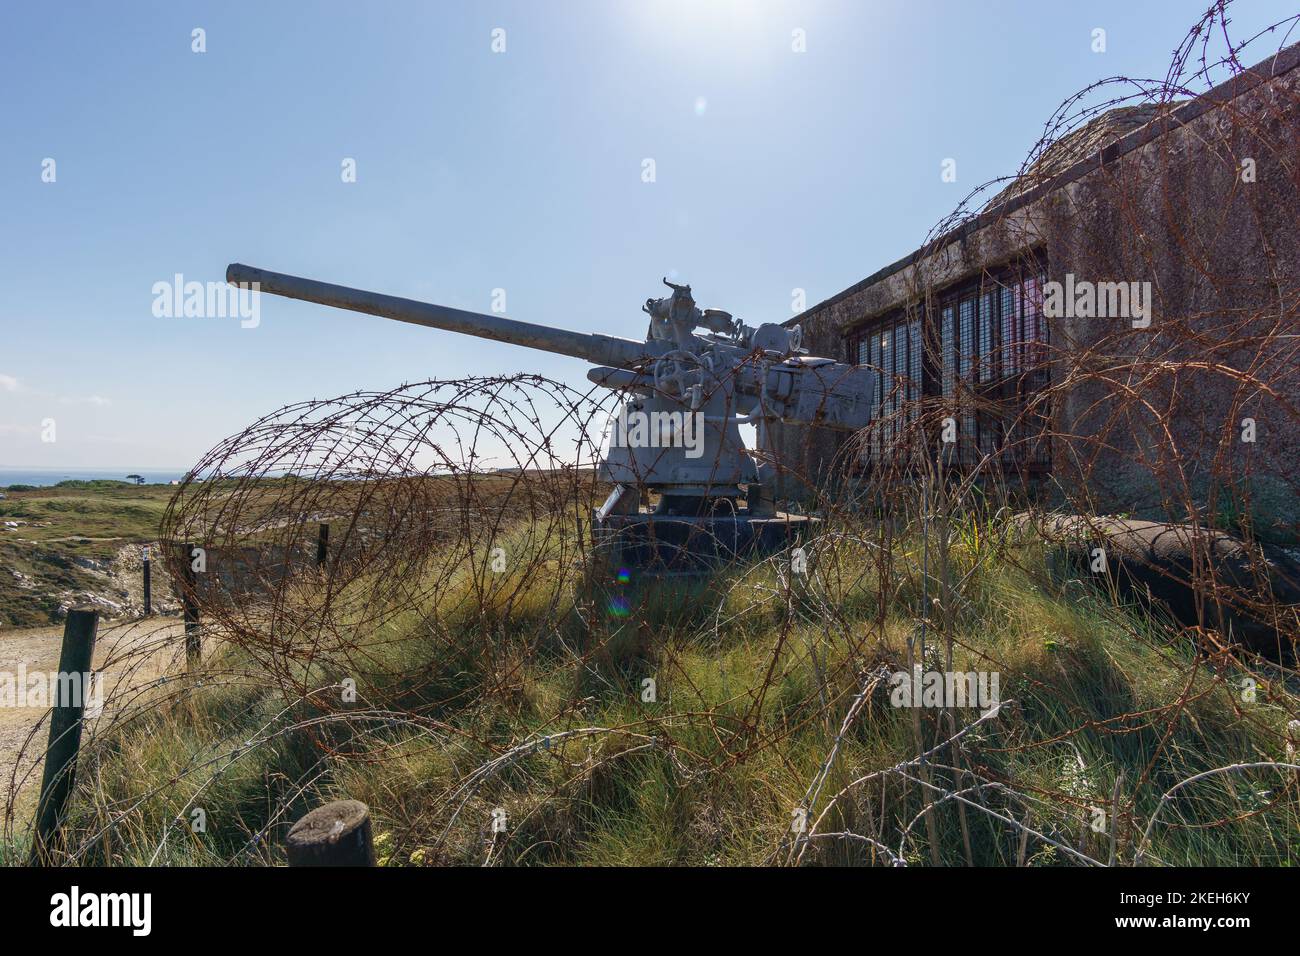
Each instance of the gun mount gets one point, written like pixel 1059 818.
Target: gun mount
pixel 686 389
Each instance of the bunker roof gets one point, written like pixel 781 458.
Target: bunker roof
pixel 1096 144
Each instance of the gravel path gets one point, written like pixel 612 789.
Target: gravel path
pixel 135 652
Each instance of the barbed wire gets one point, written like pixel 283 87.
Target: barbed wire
pixel 466 653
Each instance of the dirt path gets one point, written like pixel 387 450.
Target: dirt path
pixel 128 653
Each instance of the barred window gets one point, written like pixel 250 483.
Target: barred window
pixel 948 359
pixel 1011 328
pixel 966 337
pixel 991 362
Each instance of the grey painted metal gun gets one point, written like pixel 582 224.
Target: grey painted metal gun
pixel 687 388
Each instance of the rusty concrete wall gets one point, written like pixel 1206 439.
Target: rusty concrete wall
pixel 1223 260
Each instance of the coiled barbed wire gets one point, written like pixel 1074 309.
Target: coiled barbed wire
pixel 460 646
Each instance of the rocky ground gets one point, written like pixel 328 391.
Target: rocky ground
pixel 40 582
pixel 77 543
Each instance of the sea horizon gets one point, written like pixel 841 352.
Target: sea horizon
pixel 46 476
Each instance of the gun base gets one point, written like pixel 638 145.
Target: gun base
pixel 657 545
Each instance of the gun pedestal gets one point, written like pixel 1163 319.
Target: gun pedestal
pixel 694 545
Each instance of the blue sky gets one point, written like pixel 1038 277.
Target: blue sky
pixel 476 170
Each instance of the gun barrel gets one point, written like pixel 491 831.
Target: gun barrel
pixel 601 349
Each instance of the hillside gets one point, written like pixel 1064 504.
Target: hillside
pixel 75 541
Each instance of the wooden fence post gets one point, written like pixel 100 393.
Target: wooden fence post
pixel 322 544
pixel 336 834
pixel 190 605
pixel 72 686
pixel 148 582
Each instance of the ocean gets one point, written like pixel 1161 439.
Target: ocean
pixel 52 476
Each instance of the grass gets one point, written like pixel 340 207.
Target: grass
pixel 525 696
pixel 61 524
pixel 87 515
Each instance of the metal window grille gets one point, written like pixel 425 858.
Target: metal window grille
pixel 992 350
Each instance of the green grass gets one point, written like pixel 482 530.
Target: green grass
pixel 91 513
pixel 58 524
pixel 752 687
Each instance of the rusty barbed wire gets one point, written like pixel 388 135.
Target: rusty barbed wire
pixel 464 647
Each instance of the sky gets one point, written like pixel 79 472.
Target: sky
pixel 477 168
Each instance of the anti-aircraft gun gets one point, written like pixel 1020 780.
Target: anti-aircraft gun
pixel 699 375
